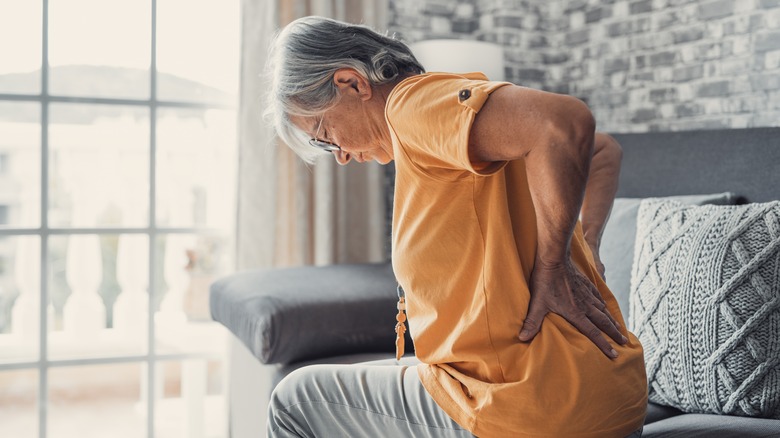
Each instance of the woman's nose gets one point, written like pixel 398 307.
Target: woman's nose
pixel 342 157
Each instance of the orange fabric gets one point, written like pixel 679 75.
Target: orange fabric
pixel 464 242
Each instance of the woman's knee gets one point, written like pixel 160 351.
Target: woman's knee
pixel 304 385
pixel 289 398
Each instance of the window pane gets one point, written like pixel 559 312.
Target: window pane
pixel 198 50
pixel 98 166
pixel 188 264
pixel 190 399
pixel 20 164
pixel 18 403
pixel 99 295
pixel 20 297
pixel 100 48
pixel 97 401
pixel 196 168
pixel 20 47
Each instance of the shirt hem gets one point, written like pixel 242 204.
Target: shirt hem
pixel 470 422
pixel 439 395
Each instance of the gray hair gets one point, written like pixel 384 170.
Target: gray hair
pixel 305 55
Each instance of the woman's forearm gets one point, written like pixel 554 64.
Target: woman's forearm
pixel 601 188
pixel 558 176
pixel 554 135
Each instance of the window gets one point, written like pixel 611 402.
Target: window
pixel 118 168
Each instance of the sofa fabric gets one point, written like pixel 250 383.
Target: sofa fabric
pixel 289 315
pixel 617 241
pixel 712 426
pixel 660 412
pixel 706 306
pixel 742 161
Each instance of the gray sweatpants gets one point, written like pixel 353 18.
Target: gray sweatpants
pixel 357 401
pixel 375 400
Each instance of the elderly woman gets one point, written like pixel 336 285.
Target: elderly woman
pixel 504 291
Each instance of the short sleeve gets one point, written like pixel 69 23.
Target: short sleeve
pixel 430 118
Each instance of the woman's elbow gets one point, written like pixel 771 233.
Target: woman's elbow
pixel 585 129
pixel 576 125
pixel 607 149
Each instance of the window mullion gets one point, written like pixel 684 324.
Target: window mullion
pixel 114 101
pixel 151 360
pixel 76 231
pixel 43 370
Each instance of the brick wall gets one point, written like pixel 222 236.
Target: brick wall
pixel 640 64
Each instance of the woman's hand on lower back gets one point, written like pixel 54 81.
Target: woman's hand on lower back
pixel 562 289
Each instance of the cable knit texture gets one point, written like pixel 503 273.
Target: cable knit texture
pixel 705 303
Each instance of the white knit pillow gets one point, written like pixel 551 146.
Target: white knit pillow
pixel 705 303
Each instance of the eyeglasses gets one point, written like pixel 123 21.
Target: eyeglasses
pixel 321 144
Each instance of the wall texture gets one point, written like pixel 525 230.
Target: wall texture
pixel 641 65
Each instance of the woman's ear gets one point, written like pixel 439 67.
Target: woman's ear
pixel 348 81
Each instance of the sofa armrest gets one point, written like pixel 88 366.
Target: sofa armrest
pixel 288 315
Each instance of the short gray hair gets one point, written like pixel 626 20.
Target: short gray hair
pixel 305 55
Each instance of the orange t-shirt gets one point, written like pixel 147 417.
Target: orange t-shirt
pixel 464 242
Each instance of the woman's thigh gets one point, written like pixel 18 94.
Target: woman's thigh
pixel 357 401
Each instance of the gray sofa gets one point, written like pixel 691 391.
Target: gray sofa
pixel 287 318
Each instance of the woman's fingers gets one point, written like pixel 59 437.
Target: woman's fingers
pixel 533 320
pixel 604 321
pixel 597 316
pixel 587 328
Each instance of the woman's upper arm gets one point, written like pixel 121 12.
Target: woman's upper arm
pixel 515 120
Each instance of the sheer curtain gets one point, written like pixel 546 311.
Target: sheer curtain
pixel 290 213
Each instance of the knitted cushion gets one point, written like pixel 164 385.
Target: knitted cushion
pixel 705 299
pixel 617 242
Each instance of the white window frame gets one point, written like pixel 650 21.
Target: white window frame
pixel 151 359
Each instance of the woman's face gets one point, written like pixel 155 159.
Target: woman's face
pixel 356 123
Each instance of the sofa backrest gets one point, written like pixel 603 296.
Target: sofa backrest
pixel 745 162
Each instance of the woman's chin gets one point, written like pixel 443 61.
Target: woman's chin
pixel 382 157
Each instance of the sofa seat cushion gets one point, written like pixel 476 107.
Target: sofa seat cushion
pixel 660 412
pixel 706 306
pixel 712 426
pixel 289 315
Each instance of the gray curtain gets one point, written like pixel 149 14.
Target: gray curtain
pixel 290 213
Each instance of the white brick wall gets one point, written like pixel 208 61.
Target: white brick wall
pixel 640 64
